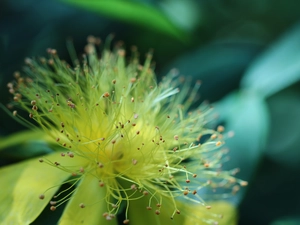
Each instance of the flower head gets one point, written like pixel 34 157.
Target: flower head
pixel 123 137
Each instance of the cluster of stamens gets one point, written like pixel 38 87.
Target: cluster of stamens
pixel 115 123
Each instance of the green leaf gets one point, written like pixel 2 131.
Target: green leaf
pixel 246 114
pixel 132 12
pixel 277 68
pixel 284 142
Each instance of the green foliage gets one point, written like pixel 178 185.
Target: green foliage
pixel 137 13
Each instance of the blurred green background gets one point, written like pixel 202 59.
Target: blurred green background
pixel 246 53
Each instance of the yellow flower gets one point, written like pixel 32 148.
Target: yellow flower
pixel 126 145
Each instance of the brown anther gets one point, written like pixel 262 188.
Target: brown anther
pixel 206 165
pixel 62 154
pixel 132 99
pixel 208 207
pixel 220 129
pixel 145 193
pixel 74 174
pixel 113 142
pixel 71 154
pixel 218 143
pixel 41 160
pixel 158 205
pixel 178 211
pixel 176 137
pixel 126 221
pixel 41 197
pixel 138 132
pixel 33 102
pixel 194 192
pixel 64 144
pixel 214 136
pixel 121 52
pixel 106 94
pixel 57 139
pixel 100 165
pixel 52 208
pixel 243 183
pixel 81 205
pixel 187 181
pixel 57 163
pixel 185 192
pixel 35 108
pixel 133 187
pixel 134 124
pixel 30 115
pixel 157 212
pixel 62 124
pixel 81 170
pixel 134 161
pixel 149 208
pixel 114 81
pixel 101 184
pixel 132 80
pixel 194 175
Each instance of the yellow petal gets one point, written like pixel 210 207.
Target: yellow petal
pixel 92 196
pixel 221 211
pixel 138 214
pixel 21 185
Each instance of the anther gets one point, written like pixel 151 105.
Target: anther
pixel 81 170
pixel 15 112
pixel 81 205
pixel 41 197
pixel 114 81
pixel 176 137
pixel 243 183
pixel 52 208
pixel 157 212
pixel 53 202
pixel 185 192
pixel 220 129
pixel 132 80
pixel 30 115
pixel 126 221
pixel 208 207
pixel 194 175
pixel 62 154
pixel 33 102
pixel 132 99
pixel 101 184
pixel 145 193
pixel 149 208
pixel 41 160
pixel 187 181
pixel 105 95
